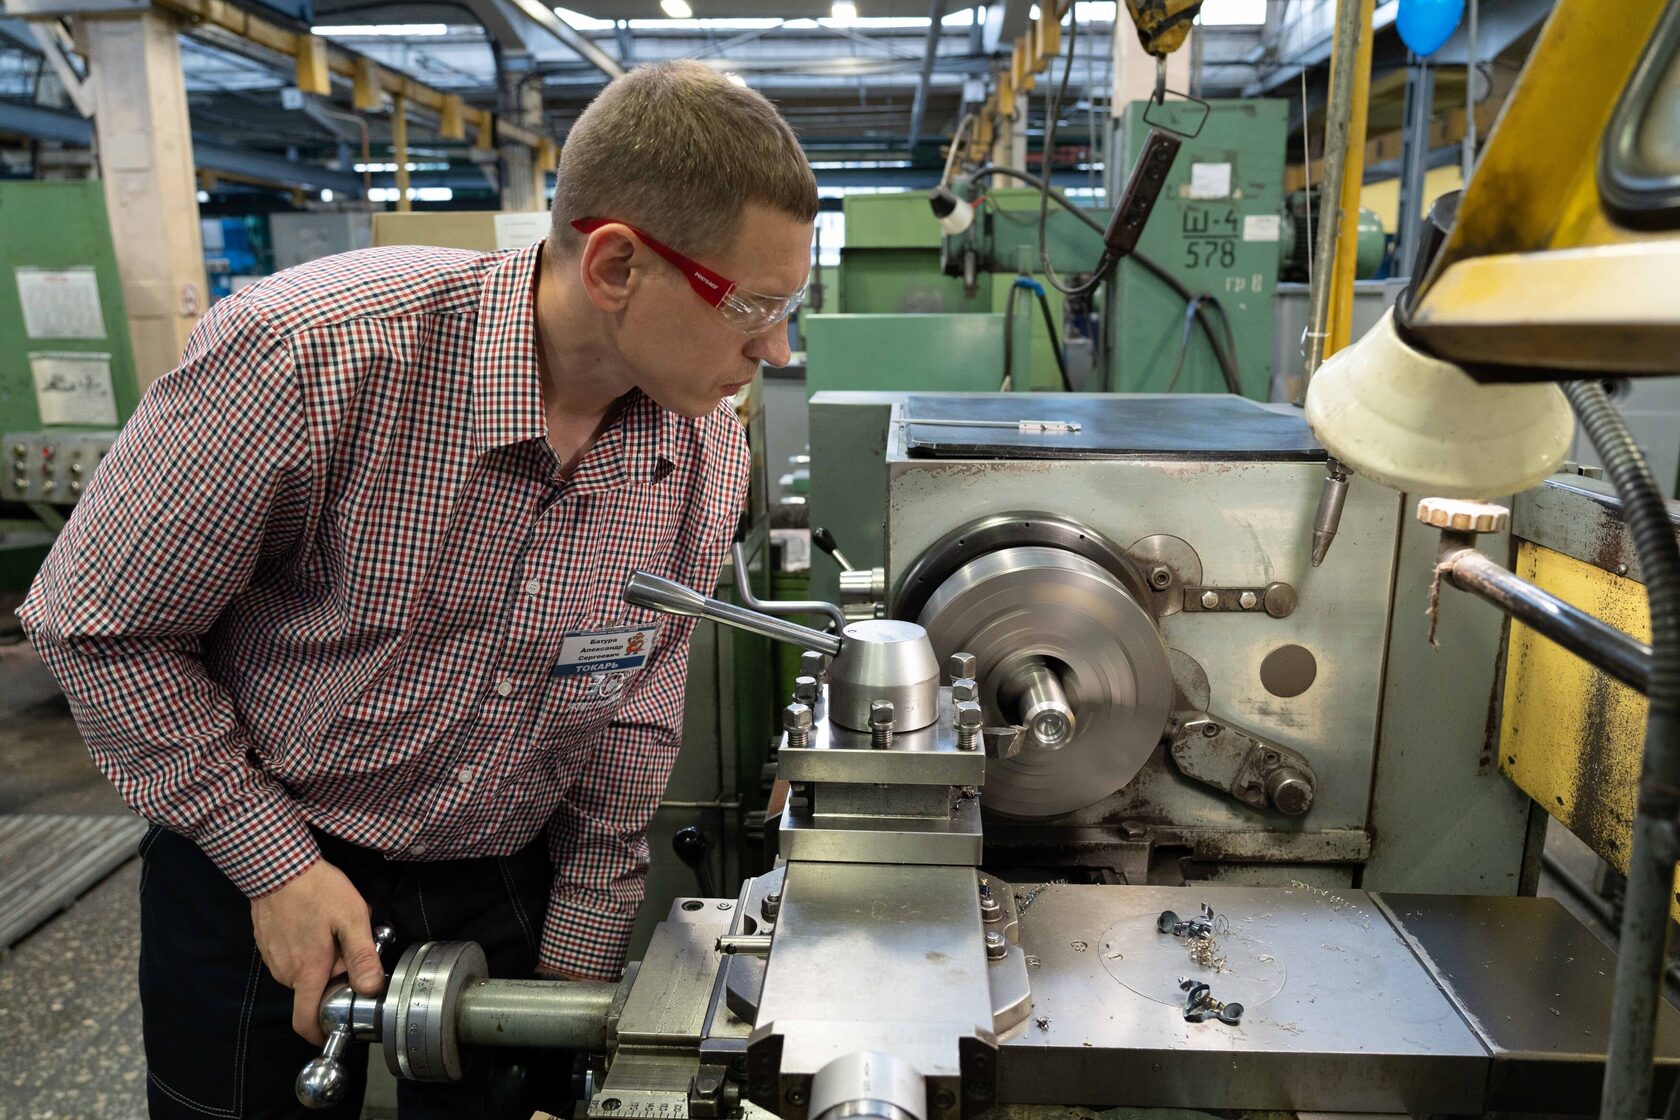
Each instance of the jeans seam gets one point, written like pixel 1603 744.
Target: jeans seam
pixel 518 907
pixel 245 1031
pixel 188 1101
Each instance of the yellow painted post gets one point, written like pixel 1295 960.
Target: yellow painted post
pixel 1049 34
pixel 313 76
pixel 452 119
pixel 366 92
pixel 1339 325
pixel 399 148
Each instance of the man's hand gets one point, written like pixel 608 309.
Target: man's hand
pixel 309 931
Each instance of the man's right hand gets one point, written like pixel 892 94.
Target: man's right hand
pixel 308 931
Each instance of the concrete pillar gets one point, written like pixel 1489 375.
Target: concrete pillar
pixel 144 146
pixel 524 179
pixel 1134 68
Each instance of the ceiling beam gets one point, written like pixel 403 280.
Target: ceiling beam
pixel 543 16
pixel 930 53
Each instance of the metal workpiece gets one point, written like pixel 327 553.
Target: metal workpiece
pixel 1039 703
pixel 744 944
pixel 875 960
pixel 666 596
pixel 884 660
pixel 419 1026
pixel 1254 770
pixel 1621 656
pixel 868 1085
pixel 1066 651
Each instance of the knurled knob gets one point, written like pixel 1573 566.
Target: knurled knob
pixel 1461 516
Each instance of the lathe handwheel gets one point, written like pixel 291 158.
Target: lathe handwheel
pixel 420 1016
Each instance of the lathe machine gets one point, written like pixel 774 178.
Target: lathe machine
pixel 1105 697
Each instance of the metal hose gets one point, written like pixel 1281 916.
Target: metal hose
pixel 1643 944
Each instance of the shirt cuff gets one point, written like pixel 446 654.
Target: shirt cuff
pixel 590 942
pixel 262 845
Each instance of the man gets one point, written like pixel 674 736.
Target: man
pixel 332 612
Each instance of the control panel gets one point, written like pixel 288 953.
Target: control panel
pixel 51 467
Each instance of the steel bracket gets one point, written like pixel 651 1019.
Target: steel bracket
pixel 1258 772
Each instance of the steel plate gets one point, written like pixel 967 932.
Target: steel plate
pixel 1016 604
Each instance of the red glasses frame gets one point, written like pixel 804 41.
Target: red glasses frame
pixel 708 285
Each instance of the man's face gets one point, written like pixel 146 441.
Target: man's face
pixel 682 352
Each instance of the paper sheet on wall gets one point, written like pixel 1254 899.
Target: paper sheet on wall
pixel 1262 227
pixel 519 229
pixel 74 388
pixel 1210 180
pixel 60 303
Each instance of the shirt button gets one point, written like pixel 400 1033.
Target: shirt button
pixel 504 687
pixel 464 775
pixel 534 587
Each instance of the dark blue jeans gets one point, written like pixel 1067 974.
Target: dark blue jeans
pixel 219 1039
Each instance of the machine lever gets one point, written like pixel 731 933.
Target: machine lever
pixel 743 588
pixel 691 846
pixel 824 540
pixel 669 597
pixel 320 1084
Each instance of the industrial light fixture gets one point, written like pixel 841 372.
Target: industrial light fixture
pixel 676 9
pixel 955 214
pixel 1412 422
pixel 844 12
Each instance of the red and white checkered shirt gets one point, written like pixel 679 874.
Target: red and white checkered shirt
pixel 325 574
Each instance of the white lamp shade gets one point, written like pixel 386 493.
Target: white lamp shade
pixel 1421 425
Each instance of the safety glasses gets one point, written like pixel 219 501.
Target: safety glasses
pixel 747 311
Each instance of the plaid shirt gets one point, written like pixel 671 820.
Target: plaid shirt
pixel 324 576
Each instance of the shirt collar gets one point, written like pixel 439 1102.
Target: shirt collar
pixel 507 386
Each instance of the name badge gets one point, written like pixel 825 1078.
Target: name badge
pixel 605 651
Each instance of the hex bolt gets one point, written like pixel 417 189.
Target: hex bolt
pixel 796 721
pixel 814 664
pixel 996 947
pixel 771 907
pixel 961 665
pixel 1211 730
pixel 969 721
pixel 964 688
pixel 990 911
pixel 880 724
pixel 1248 600
pixel 1210 600
pixel 805 690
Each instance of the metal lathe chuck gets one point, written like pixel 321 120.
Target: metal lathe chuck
pixel 1068 650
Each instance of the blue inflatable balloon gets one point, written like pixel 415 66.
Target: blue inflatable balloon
pixel 1426 24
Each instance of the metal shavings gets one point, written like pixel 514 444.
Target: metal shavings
pixel 1115 956
pixel 1043 1022
pixel 1032 961
pixel 1267 958
pixel 1080 946
pixel 1205 952
pixel 1025 901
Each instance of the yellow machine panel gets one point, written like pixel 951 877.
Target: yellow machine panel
pixel 1571 737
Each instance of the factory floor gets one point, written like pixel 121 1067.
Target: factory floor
pixel 69 1009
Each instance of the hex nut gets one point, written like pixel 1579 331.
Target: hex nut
pixel 1248 600
pixel 1160 577
pixel 805 689
pixel 964 688
pixel 996 947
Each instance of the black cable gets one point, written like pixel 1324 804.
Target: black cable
pixel 1048 167
pixel 1225 358
pixel 1008 338
pixel 1055 339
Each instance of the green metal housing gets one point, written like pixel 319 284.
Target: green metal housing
pixel 1215 228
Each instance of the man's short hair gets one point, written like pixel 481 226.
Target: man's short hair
pixel 678 150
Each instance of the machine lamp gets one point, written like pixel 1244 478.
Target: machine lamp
pixel 1415 423
pixel 955 214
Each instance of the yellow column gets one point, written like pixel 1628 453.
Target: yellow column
pixel 1339 329
pixel 399 150
pixel 146 163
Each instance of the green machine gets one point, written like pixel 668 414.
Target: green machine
pixel 1217 228
pixel 67 379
